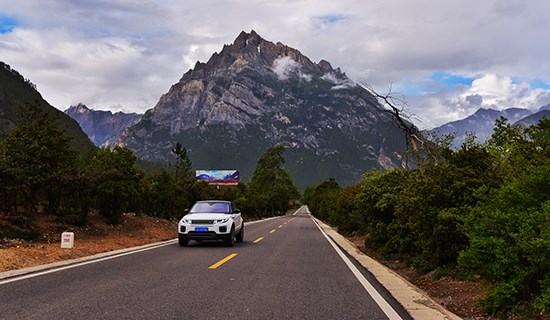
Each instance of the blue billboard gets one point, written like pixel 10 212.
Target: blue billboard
pixel 219 177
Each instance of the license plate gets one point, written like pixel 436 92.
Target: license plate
pixel 201 229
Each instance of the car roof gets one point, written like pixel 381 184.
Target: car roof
pixel 223 201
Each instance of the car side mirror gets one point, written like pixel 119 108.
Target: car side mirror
pixel 237 211
pixel 186 211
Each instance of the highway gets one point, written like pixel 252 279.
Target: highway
pixel 285 269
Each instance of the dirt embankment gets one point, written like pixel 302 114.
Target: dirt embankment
pixel 97 237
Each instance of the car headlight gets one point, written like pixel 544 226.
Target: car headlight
pixel 222 220
pixel 186 221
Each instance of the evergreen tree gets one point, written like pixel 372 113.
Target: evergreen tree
pixel 36 157
pixel 271 184
pixel 116 181
pixel 183 169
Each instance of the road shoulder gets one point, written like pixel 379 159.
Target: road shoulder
pixel 414 300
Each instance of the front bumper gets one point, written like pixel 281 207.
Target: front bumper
pixel 215 232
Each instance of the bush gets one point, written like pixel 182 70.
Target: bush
pixel 510 242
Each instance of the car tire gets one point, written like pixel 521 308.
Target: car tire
pixel 230 240
pixel 240 236
pixel 183 241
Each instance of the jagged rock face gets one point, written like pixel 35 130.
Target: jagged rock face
pixel 256 94
pixel 101 125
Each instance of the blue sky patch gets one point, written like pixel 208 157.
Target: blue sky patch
pixel 7 24
pixel 452 79
pixel 324 21
pixel 330 19
pixel 539 84
pixel 437 82
pixel 412 90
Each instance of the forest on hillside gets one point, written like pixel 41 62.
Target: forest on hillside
pixel 41 173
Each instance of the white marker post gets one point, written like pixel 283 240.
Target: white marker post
pixel 67 240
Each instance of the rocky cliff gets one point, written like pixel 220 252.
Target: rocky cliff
pixel 255 94
pixel 101 125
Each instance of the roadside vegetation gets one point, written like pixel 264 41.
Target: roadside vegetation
pixel 41 173
pixel 482 210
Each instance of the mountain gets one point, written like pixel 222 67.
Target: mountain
pixel 255 94
pixel 481 123
pixel 543 112
pixel 15 91
pixel 101 125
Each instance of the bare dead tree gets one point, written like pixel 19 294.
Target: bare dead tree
pixel 396 107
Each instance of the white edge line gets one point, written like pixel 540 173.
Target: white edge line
pixel 78 264
pixel 382 303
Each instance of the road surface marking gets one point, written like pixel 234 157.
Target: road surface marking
pixel 222 261
pixel 280 226
pixel 272 231
pixel 375 295
pixel 258 240
pixel 78 264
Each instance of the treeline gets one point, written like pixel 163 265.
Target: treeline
pixel 17 74
pixel 40 173
pixel 483 209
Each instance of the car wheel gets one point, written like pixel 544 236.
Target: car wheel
pixel 240 236
pixel 183 241
pixel 230 240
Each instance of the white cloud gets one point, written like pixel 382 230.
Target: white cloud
pixel 284 66
pixel 304 76
pixel 487 91
pixel 112 53
pixel 339 83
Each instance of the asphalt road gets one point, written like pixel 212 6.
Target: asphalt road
pixel 285 269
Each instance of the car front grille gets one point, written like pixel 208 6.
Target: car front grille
pixel 202 221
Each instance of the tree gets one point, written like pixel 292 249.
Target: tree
pixel 36 156
pixel 116 181
pixel 510 243
pixel 321 197
pixel 183 168
pixel 159 195
pixel 413 137
pixel 271 183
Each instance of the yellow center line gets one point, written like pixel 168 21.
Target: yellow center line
pixel 258 240
pixel 222 261
pixel 272 231
pixel 280 226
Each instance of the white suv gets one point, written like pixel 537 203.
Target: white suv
pixel 211 220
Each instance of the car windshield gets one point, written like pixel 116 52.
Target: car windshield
pixel 210 207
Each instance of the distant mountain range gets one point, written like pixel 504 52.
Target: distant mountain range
pixel 482 122
pixel 255 94
pixel 15 91
pixel 101 125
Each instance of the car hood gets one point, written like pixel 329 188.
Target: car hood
pixel 207 216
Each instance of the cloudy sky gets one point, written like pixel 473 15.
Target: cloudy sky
pixel 446 58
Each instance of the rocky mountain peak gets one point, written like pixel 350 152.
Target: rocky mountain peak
pixel 250 50
pixel 80 108
pixel 101 125
pixel 255 94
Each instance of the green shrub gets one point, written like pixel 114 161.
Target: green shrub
pixel 510 242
